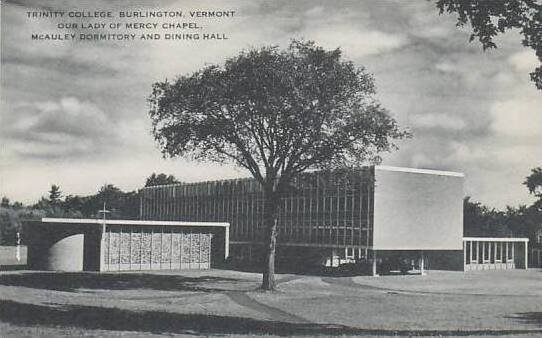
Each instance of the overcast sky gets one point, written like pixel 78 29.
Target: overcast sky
pixel 75 113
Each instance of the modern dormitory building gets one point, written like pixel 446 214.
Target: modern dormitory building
pixel 370 215
pixel 330 218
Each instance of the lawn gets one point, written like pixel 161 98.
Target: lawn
pixel 227 303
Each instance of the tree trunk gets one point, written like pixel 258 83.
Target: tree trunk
pixel 271 205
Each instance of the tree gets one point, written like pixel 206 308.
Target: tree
pixel 534 182
pixel 120 204
pixel 488 18
pixel 160 179
pixel 75 203
pixel 111 196
pixel 482 221
pixel 54 194
pixel 9 226
pixel 275 113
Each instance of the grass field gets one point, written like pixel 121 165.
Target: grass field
pixel 227 303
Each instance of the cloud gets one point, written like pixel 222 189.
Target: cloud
pixel 55 129
pixel 524 61
pixel 356 42
pixel 421 160
pixel 518 117
pixel 469 110
pixel 446 67
pixel 423 23
pixel 437 121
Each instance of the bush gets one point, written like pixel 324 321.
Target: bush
pixel 10 224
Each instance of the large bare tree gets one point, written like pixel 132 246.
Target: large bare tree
pixel 275 113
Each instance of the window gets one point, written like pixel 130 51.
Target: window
pixel 539 238
pixel 361 253
pixel 492 251
pixel 349 253
pixel 486 251
pixel 474 251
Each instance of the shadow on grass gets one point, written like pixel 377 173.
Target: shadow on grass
pixel 89 317
pixel 346 270
pixel 295 270
pixel 71 281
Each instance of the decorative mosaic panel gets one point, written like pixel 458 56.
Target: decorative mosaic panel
pixel 185 248
pixel 152 247
pixel 136 247
pixel 176 249
pixel 156 248
pixel 195 248
pixel 114 241
pixel 205 245
pixel 146 247
pixel 166 248
pixel 125 246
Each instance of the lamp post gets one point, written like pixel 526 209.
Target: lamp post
pixel 18 253
pixel 104 212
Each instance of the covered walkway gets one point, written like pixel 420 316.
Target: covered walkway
pixel 489 253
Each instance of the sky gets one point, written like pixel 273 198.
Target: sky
pixel 75 113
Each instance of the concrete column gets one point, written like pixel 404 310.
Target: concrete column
pixel 102 249
pixel 526 255
pixel 471 252
pixel 513 254
pixel 422 263
pixel 465 255
pixel 226 242
pixel 491 253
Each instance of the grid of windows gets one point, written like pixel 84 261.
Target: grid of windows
pixel 333 208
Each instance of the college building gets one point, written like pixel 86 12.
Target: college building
pixel 370 216
pixel 328 218
pixel 70 244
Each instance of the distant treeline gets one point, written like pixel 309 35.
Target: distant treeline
pixel 522 221
pixel 119 205
pixel 482 221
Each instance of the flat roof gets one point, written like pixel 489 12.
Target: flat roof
pixel 419 171
pixel 495 239
pixel 131 222
pixel 377 167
